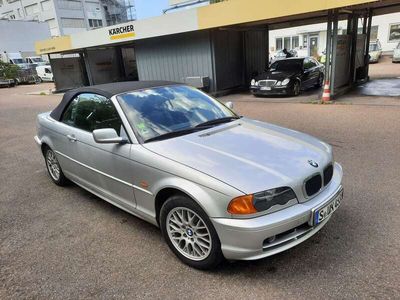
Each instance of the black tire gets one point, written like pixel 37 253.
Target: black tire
pixel 60 180
pixel 181 201
pixel 295 89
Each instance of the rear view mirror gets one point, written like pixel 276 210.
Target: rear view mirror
pixel 229 105
pixel 108 136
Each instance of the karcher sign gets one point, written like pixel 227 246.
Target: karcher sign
pixel 122 32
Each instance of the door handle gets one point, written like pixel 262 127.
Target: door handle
pixel 71 137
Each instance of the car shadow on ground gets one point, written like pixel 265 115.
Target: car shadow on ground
pixel 300 259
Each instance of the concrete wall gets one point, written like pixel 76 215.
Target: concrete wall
pixel 18 36
pixel 175 57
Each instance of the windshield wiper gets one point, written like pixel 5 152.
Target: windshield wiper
pixel 172 134
pixel 217 121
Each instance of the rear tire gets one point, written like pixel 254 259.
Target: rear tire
pixel 54 168
pixel 189 233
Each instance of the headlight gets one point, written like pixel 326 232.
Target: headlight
pixel 279 83
pixel 286 81
pixel 253 82
pixel 250 204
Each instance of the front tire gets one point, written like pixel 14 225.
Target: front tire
pixel 296 89
pixel 54 168
pixel 189 233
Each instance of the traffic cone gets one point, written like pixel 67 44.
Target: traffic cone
pixel 326 95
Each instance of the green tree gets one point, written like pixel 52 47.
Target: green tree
pixel 8 71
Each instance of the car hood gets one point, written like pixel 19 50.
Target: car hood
pixel 277 75
pixel 249 155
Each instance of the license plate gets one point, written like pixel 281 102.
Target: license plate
pixel 320 214
pixel 265 88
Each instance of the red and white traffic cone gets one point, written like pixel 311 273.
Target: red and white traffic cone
pixel 326 95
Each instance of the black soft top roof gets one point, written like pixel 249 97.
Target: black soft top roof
pixel 107 90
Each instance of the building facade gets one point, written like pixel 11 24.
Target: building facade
pixel 24 34
pixel 69 16
pixel 310 40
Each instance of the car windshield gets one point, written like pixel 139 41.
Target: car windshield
pixel 163 111
pixel 287 65
pixel 18 61
pixel 373 47
pixel 37 59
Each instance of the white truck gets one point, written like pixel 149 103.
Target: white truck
pixel 36 60
pixel 26 71
pixel 45 73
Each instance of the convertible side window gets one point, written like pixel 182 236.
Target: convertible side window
pixel 91 111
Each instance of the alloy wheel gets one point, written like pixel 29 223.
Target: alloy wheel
pixel 52 165
pixel 188 233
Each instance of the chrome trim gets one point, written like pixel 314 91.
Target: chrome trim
pixel 105 174
pixel 266 81
pixel 37 140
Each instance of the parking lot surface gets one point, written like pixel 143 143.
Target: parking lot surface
pixel 65 243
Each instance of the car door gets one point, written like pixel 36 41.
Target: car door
pixel 105 169
pixel 306 79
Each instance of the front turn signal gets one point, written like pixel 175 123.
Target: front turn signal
pixel 242 205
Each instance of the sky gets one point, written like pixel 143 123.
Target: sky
pixel 150 8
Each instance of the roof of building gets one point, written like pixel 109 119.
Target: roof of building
pixel 226 13
pixel 107 90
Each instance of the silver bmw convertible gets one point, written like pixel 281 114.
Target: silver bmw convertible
pixel 217 184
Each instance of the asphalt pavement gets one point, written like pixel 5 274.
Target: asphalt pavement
pixel 64 243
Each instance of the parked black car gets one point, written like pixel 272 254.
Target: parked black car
pixel 289 77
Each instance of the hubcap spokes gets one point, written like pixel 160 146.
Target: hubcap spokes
pixel 52 165
pixel 188 233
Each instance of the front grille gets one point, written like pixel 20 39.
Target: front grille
pixel 313 185
pixel 328 173
pixel 267 83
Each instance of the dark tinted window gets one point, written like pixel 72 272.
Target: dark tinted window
pixel 309 63
pixel 287 65
pixel 90 111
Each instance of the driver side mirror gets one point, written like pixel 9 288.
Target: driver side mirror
pixel 108 136
pixel 229 105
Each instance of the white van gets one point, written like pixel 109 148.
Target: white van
pixel 45 73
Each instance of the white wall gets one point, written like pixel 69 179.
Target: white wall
pixel 21 36
pixel 383 22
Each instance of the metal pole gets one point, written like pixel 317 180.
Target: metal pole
pixel 353 52
pixel 334 48
pixel 366 59
pixel 328 46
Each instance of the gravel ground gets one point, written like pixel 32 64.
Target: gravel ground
pixel 63 243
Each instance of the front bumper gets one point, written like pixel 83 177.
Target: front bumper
pixel 285 90
pixel 247 239
pixel 396 59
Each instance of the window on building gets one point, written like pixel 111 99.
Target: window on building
pixel 94 23
pixel 73 23
pixel 394 32
pixel 286 42
pixel 31 9
pixel 289 42
pixel 46 5
pixel 295 42
pixel 278 42
pixel 70 4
